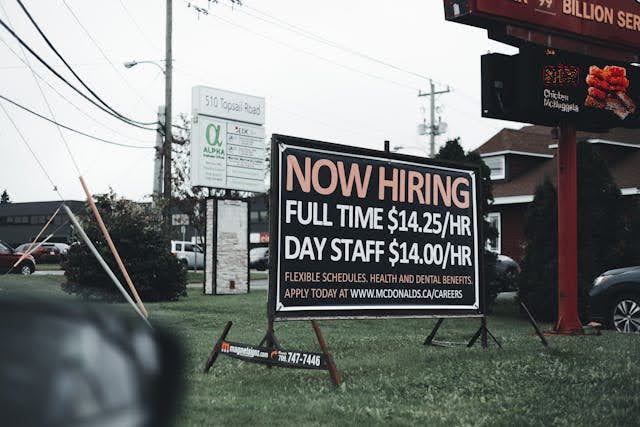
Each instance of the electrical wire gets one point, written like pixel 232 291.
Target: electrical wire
pixel 104 55
pixel 135 23
pixel 33 153
pixel 273 20
pixel 67 100
pixel 57 74
pixel 72 129
pixel 53 48
pixel 306 52
pixel 46 101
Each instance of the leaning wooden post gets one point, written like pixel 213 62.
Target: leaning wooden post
pixel 114 251
pixel 333 371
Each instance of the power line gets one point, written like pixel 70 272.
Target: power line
pixel 52 47
pixel 70 128
pixel 306 52
pixel 273 20
pixel 104 55
pixel 46 101
pixel 57 74
pixel 33 153
pixel 80 110
pixel 135 23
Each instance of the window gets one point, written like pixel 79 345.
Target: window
pixel 4 249
pixel 497 166
pixel 254 216
pixel 495 220
pixel 178 247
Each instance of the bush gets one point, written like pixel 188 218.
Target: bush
pixel 146 252
pixel 605 236
pixel 452 151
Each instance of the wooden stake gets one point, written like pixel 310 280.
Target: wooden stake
pixel 114 251
pixel 333 371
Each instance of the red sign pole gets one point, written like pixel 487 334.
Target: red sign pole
pixel 568 319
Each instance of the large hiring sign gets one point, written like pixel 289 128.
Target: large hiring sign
pixel 227 140
pixel 360 233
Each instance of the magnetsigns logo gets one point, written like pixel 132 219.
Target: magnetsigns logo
pixel 214 142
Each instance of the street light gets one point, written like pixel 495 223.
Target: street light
pixel 159 180
pixel 131 64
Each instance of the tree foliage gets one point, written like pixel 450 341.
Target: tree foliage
pixel 4 198
pixel 453 151
pixel 143 246
pixel 607 236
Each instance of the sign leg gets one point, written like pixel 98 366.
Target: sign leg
pixel 433 333
pixel 216 348
pixel 333 371
pixel 568 319
pixel 535 325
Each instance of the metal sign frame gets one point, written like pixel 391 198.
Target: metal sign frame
pixel 274 249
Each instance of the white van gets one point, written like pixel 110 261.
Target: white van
pixel 189 253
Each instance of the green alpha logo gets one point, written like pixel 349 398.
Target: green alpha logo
pixel 216 141
pixel 214 148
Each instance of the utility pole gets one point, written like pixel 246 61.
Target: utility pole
pixel 434 129
pixel 158 169
pixel 168 136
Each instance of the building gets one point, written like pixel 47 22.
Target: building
pixel 521 159
pixel 21 222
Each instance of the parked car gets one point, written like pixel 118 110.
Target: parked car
pixel 9 256
pixel 190 254
pixel 45 253
pixel 507 271
pixel 259 259
pixel 614 299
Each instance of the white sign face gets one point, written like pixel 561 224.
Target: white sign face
pixel 227 154
pixel 223 104
pixel 232 265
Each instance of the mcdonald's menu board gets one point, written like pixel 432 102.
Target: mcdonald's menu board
pixel 594 93
pixel 361 233
pixel 610 22
pixel 544 86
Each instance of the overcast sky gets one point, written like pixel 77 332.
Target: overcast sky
pixel 312 90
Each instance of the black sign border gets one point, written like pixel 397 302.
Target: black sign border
pixel 274 214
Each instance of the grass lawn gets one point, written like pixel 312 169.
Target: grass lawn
pixel 389 377
pixel 48 267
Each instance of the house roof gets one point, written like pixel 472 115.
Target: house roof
pixel 36 208
pixel 538 139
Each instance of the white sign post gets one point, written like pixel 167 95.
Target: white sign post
pixel 227 140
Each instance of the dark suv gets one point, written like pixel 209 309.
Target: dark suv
pixel 8 257
pixel 615 299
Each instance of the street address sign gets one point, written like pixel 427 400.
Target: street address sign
pixel 613 23
pixel 224 104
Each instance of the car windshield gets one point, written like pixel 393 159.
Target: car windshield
pixel 23 248
pixel 258 252
pixel 5 248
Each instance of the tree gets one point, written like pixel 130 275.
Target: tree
pixel 452 151
pixel 605 236
pixel 538 279
pixel 4 198
pixel 145 250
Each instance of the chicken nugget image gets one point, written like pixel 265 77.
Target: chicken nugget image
pixel 597 93
pixel 615 71
pixel 598 83
pixel 618 81
pixel 596 71
pixel 594 103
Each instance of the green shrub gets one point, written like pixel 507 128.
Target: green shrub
pixel 137 232
pixel 452 151
pixel 607 236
